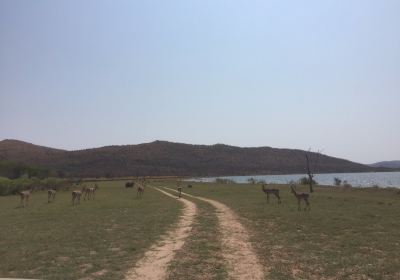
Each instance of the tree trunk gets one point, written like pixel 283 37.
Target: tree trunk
pixel 310 176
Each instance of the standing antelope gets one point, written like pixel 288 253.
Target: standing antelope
pixel 93 191
pixel 301 196
pixel 25 197
pixel 274 192
pixel 179 187
pixel 90 192
pixel 51 195
pixel 140 191
pixel 76 196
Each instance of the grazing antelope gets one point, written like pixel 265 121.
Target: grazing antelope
pixel 300 197
pixel 76 196
pixel 274 192
pixel 130 184
pixel 25 197
pixel 51 195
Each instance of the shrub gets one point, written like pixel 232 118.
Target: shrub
pixel 224 181
pixel 9 186
pixel 346 185
pixel 337 181
pixel 252 181
pixel 306 181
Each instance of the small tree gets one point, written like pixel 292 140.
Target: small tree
pixel 337 181
pixel 311 163
pixel 347 185
pixel 306 181
pixel 252 181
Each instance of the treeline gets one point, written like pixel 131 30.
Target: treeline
pixel 12 186
pixel 13 170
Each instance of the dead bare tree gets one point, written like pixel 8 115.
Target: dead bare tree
pixel 312 160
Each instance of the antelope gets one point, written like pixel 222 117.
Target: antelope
pixel 25 197
pixel 130 184
pixel 76 196
pixel 274 192
pixel 51 195
pixel 179 189
pixel 90 192
pixel 140 191
pixel 93 190
pixel 301 196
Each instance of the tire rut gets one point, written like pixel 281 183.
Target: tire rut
pixel 242 262
pixel 154 264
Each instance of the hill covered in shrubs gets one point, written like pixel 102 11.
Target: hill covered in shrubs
pixel 161 158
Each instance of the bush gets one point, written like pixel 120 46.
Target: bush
pixel 224 181
pixel 5 185
pixel 306 181
pixel 252 181
pixel 337 181
pixel 9 186
pixel 346 185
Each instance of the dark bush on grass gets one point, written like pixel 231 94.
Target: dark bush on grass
pixel 306 181
pixel 337 181
pixel 9 186
pixel 224 181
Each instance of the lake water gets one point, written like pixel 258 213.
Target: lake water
pixel 382 179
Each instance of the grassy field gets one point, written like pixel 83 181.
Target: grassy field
pixel 98 239
pixel 352 234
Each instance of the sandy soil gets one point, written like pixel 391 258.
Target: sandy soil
pixel 154 264
pixel 242 262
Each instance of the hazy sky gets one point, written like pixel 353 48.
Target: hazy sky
pixel 293 74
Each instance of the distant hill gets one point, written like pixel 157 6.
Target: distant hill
pixel 166 158
pixel 387 164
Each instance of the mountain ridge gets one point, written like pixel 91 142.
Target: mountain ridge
pixel 170 158
pixel 387 164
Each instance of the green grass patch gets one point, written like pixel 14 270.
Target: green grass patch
pixel 352 234
pixel 98 239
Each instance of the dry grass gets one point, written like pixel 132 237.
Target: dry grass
pixel 350 234
pixel 99 239
pixel 347 234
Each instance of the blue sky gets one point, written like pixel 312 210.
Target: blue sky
pixel 289 74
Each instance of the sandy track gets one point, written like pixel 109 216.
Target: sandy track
pixel 242 261
pixel 154 264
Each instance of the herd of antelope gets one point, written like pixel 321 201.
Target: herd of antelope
pixel 88 193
